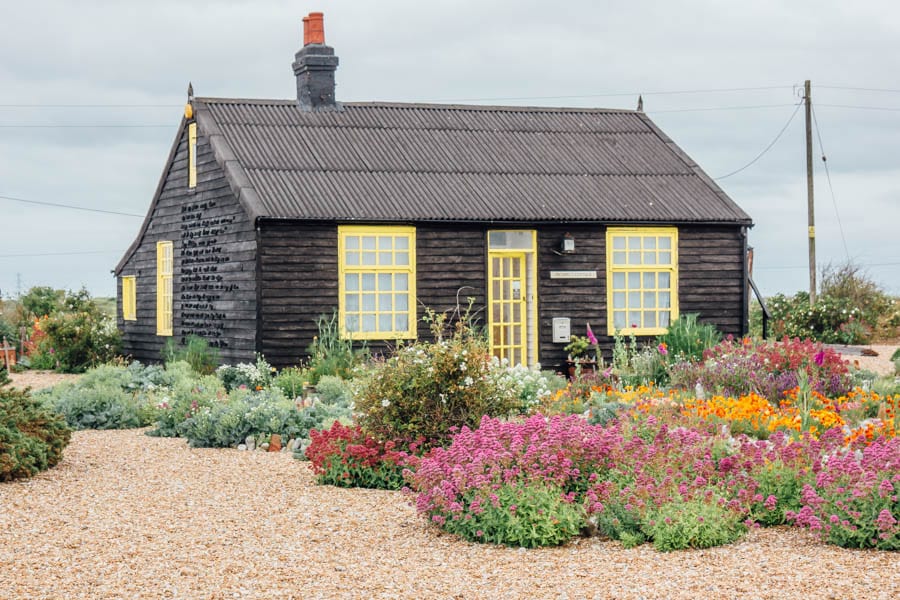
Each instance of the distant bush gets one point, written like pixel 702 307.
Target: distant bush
pixel 74 337
pixel 687 338
pixel 330 353
pixel 32 437
pixel 249 375
pixel 291 381
pixel 196 351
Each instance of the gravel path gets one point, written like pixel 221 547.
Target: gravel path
pixel 129 516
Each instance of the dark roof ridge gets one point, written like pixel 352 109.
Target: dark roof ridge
pixel 318 169
pixel 424 105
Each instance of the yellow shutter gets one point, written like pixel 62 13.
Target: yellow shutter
pixel 129 299
pixel 163 288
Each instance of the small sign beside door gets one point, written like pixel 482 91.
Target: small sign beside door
pixel 573 274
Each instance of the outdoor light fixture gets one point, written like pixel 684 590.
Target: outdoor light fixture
pixel 567 246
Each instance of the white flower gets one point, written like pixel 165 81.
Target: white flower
pixel 385 403
pixel 468 381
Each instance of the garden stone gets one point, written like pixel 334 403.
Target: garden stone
pixel 251 442
pixel 242 447
pixel 275 443
pixel 264 446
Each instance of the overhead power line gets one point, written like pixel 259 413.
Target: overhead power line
pixel 626 94
pixel 767 148
pixel 830 187
pixel 71 206
pixel 65 126
pixel 859 89
pixel 37 105
pixel 60 254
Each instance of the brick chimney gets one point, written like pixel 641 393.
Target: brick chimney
pixel 314 66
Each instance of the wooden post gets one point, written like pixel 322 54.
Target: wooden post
pixel 810 204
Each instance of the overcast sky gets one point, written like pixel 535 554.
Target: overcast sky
pixel 91 93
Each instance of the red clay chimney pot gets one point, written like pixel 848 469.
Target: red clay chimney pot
pixel 305 30
pixel 316 28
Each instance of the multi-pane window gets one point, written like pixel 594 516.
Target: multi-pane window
pixel 129 299
pixel 164 269
pixel 642 273
pixel 192 155
pixel 377 282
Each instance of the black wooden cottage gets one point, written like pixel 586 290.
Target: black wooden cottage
pixel 270 213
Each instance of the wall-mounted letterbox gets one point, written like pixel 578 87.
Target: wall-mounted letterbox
pixel 562 330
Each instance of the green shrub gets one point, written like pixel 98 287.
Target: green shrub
pixel 428 389
pixel 291 381
pixel 195 351
pixel 330 353
pixel 687 338
pixel 189 392
pixel 106 397
pixel 250 375
pixel 248 413
pixel 334 390
pixel 694 523
pixel 32 437
pixel 528 515
pixel 781 483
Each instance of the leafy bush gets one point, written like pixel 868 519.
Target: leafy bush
pixel 855 500
pixel 291 381
pixel 251 376
pixel 346 456
pixel 330 353
pixel 73 337
pixel 334 391
pixel 109 397
pixel 528 385
pixel 430 388
pixel 32 437
pixel 687 339
pixel 694 523
pixel 246 413
pixel 187 394
pixel 195 351
pixel 528 515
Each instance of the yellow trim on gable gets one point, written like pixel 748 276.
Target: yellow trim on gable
pixel 642 265
pixel 192 155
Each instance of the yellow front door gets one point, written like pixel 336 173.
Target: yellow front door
pixel 507 298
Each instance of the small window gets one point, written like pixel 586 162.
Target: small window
pixel 164 269
pixel 192 155
pixel 642 277
pixel 377 284
pixel 129 299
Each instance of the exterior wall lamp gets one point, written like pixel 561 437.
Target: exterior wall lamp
pixel 567 246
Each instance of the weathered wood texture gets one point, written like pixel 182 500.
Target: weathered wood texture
pixel 214 256
pixel 710 282
pixel 299 281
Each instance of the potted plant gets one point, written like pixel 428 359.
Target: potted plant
pixel 579 356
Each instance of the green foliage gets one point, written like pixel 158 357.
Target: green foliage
pixel 32 437
pixel 195 351
pixel 37 302
pixel 291 381
pixel 687 338
pixel 429 388
pixel 693 523
pixel 187 393
pixel 330 353
pixel 635 366
pixel 334 391
pixel 247 413
pixel 249 375
pixel 781 483
pixel 75 336
pixel 528 515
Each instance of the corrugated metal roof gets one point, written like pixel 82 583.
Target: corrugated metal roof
pixel 417 162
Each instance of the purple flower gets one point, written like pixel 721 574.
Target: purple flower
pixel 819 357
pixel 590 335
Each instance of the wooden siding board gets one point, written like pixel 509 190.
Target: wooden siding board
pixel 221 295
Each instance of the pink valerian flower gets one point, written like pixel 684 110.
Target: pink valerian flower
pixel 663 349
pixel 819 357
pixel 771 502
pixel 590 335
pixel 886 488
pixel 885 520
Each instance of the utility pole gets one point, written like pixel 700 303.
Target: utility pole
pixel 810 203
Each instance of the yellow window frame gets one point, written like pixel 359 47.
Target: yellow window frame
pixel 164 269
pixel 192 155
pixel 354 275
pixel 644 262
pixel 129 299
